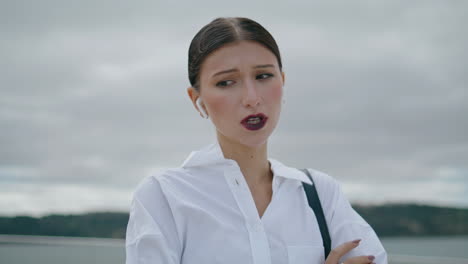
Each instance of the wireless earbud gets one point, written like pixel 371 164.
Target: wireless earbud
pixel 202 111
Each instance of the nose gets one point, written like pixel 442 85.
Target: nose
pixel 250 97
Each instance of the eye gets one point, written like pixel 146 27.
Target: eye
pixel 224 83
pixel 264 76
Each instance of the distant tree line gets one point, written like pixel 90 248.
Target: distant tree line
pixel 109 225
pixel 387 220
pixel 415 220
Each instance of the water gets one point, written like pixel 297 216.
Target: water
pixel 55 250
pixel 24 254
pixel 427 250
pixel 456 247
pixel 50 250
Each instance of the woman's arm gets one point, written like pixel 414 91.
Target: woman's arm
pixel 344 223
pixel 151 233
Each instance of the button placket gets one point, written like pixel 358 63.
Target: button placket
pixel 257 227
pixel 258 238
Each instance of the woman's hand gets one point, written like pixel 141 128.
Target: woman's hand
pixel 341 250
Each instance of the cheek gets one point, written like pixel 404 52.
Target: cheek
pixel 219 105
pixel 276 93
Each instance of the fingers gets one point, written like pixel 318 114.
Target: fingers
pixel 337 253
pixel 341 250
pixel 360 260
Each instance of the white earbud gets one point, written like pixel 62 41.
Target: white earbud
pixel 202 111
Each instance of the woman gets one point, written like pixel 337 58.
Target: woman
pixel 229 202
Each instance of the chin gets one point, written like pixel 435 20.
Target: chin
pixel 255 141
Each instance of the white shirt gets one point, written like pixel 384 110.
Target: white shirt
pixel 203 212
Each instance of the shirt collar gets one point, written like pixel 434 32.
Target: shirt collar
pixel 284 171
pixel 212 154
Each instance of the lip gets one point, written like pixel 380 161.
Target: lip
pixel 258 126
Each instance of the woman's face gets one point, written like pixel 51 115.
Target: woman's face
pixel 238 80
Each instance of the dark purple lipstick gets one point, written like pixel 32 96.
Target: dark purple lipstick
pixel 254 122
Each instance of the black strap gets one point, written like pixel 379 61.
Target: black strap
pixel 314 203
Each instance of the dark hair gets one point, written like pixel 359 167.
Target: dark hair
pixel 222 31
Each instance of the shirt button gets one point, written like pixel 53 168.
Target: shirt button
pixel 236 181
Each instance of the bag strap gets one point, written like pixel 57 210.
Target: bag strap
pixel 314 203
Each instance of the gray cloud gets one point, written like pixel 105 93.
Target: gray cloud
pixel 92 95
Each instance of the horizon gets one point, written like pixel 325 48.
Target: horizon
pixel 117 211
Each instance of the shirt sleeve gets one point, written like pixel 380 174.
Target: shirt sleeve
pixel 151 235
pixel 345 224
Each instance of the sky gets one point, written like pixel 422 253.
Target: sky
pixel 93 97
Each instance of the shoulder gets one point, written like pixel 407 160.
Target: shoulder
pixel 329 191
pixel 155 183
pixel 324 183
pixel 151 217
pixel 150 202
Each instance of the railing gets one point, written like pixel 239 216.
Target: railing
pixel 408 259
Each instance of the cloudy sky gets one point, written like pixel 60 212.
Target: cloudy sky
pixel 93 97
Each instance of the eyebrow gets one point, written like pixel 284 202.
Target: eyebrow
pixel 234 69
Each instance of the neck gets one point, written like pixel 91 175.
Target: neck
pixel 253 161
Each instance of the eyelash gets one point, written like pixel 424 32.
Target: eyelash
pixel 268 75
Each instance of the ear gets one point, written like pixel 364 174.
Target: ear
pixel 282 75
pixel 193 95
